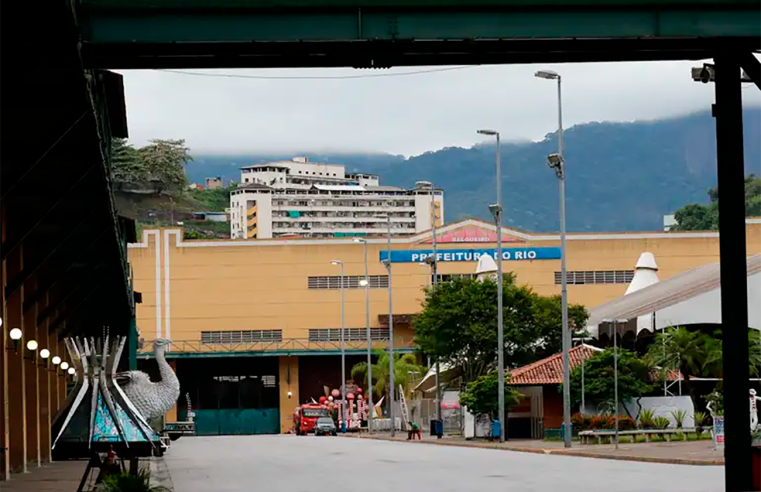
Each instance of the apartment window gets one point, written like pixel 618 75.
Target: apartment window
pixel 596 277
pixel 243 336
pixel 350 334
pixel 350 282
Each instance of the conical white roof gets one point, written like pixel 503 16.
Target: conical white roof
pixel 486 264
pixel 645 273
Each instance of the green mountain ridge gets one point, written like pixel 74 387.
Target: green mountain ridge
pixel 620 176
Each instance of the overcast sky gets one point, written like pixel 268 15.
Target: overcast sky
pixel 296 110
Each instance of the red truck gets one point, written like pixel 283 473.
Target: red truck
pixel 305 417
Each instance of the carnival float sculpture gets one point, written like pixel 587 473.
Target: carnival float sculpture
pixel 100 417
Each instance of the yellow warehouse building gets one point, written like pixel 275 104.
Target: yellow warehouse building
pixel 255 324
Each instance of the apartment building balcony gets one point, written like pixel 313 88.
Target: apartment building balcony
pixel 341 220
pixel 342 208
pixel 322 229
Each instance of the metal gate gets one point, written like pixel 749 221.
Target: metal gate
pixel 237 421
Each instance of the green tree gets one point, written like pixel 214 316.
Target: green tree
pixel 634 378
pixel 126 164
pixel 458 324
pixel 686 351
pixel 405 370
pixel 697 217
pixel 481 395
pixel 165 162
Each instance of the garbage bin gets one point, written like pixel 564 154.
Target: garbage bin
pixel 437 427
pixel 562 430
pixel 496 430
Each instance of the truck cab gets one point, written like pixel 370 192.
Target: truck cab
pixel 305 417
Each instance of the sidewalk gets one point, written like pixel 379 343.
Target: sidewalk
pixel 61 476
pixel 699 453
pixel 64 476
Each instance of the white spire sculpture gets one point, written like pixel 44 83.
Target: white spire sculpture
pixel 645 275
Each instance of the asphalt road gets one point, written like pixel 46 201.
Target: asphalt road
pixel 335 464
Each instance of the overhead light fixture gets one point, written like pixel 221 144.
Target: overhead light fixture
pixel 547 74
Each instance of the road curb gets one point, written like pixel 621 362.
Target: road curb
pixel 557 452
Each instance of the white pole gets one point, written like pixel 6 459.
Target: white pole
pixel 369 346
pixel 566 338
pixel 615 375
pixel 435 280
pixel 390 336
pixel 343 357
pixel 500 314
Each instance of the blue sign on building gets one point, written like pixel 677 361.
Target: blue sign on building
pixel 508 254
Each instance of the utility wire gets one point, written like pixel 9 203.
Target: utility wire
pixel 316 77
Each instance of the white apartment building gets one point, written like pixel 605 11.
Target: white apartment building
pixel 299 198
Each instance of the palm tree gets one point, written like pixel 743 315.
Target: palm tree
pixel 405 366
pixel 682 350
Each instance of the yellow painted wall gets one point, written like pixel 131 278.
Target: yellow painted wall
pixel 250 284
pixel 287 405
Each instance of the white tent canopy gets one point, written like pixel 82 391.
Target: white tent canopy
pixel 692 297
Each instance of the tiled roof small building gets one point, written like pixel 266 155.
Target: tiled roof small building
pixel 540 383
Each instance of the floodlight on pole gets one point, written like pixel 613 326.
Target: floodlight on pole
pixel 615 323
pixel 391 390
pixel 496 211
pixel 433 261
pixel 547 74
pixel 343 350
pixel 557 163
pixel 365 282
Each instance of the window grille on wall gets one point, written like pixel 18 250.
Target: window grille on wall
pixel 350 282
pixel 350 334
pixel 596 277
pixel 243 336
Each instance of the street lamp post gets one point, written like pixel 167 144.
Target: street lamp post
pixel 615 323
pixel 343 351
pixel 583 363
pixel 433 260
pixel 387 264
pixel 557 163
pixel 369 341
pixel 496 210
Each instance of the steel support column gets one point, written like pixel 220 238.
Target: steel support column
pixel 733 267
